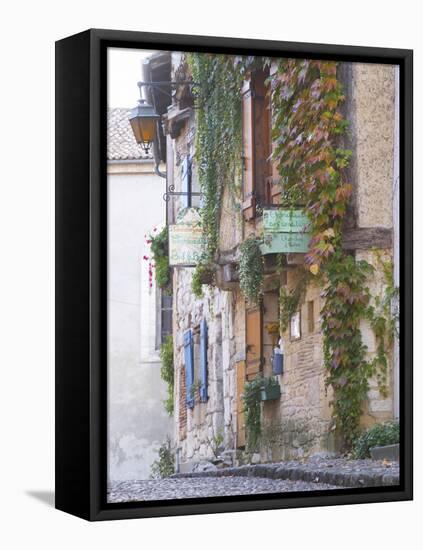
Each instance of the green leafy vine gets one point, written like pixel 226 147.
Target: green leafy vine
pixel 383 315
pixel 251 269
pixel 252 397
pixel 167 372
pixel 252 410
pixel 217 142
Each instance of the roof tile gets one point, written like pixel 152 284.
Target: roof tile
pixel 121 144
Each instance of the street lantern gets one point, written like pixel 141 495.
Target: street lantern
pixel 143 121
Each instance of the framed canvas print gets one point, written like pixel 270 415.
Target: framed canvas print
pixel 234 274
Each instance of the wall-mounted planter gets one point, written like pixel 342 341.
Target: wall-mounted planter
pixel 206 276
pixel 270 393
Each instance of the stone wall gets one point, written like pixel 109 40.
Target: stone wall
pixel 197 429
pixel 370 110
pixel 298 424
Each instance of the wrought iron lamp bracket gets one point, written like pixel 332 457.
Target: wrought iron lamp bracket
pixel 162 85
pixel 172 193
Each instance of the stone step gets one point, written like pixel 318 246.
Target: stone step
pixel 346 475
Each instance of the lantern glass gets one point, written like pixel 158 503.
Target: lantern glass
pixel 143 121
pixel 144 129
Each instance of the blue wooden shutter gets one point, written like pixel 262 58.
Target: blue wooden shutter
pixel 189 367
pixel 203 360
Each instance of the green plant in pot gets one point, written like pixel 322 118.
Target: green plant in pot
pixel 270 389
pixel 203 275
pixel 255 391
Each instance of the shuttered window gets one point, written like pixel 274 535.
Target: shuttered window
pixel 203 360
pixel 189 368
pixel 260 177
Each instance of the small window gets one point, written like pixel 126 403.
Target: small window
pixel 295 326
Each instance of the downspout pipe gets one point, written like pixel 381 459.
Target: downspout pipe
pixel 156 162
pixel 146 77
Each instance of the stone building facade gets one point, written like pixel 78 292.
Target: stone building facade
pixel 237 343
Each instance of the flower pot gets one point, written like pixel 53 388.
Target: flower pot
pixel 206 277
pixel 271 393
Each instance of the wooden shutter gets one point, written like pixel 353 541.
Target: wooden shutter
pixel 254 342
pixel 262 148
pixel 240 418
pixel 203 360
pixel 189 367
pixel 248 204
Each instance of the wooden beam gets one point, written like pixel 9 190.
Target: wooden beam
pixel 365 238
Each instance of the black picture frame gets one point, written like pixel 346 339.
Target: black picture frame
pixel 81 274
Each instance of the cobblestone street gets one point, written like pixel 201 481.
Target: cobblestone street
pixel 172 488
pixel 311 475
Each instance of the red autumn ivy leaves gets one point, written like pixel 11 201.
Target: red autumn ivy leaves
pixel 306 100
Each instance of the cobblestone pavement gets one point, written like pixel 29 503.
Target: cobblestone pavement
pixel 175 488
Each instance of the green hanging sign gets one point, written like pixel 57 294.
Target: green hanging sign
pixel 284 231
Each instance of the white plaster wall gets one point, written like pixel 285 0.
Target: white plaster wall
pixel 138 422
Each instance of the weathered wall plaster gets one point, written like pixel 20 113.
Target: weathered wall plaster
pixel 138 423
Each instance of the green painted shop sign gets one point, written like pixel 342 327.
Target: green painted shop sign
pixel 284 231
pixel 186 239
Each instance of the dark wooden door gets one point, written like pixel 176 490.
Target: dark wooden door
pixel 254 342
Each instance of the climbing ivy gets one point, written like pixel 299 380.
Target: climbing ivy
pixel 251 269
pixel 218 139
pixel 307 129
pixel 167 372
pixel 383 316
pixel 252 410
pixel 346 303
